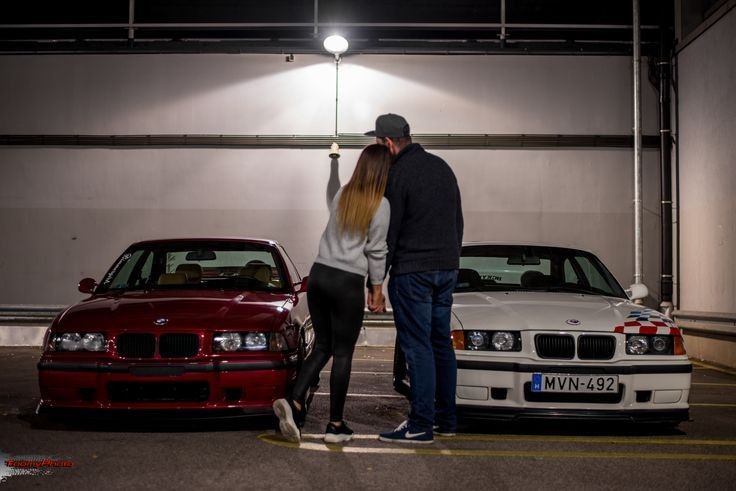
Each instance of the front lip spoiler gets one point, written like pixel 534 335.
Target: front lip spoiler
pixel 583 369
pixel 164 368
pixel 152 415
pixel 666 416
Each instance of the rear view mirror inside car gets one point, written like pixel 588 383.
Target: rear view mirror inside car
pixel 523 260
pixel 202 255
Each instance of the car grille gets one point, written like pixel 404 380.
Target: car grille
pixel 555 346
pixel 158 391
pixel 178 345
pixel 170 345
pixel 583 398
pixel 136 345
pixel 596 347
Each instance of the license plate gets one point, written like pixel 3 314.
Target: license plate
pixel 559 382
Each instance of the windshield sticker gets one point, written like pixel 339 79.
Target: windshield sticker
pixel 114 270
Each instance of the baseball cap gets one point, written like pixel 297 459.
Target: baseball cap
pixel 390 125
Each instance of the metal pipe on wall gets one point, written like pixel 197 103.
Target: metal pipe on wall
pixel 131 21
pixel 638 208
pixel 665 158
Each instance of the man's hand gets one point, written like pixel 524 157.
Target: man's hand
pixel 376 300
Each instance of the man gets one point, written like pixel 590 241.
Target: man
pixel 424 240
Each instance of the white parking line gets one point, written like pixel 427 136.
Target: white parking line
pixel 392 396
pixel 363 373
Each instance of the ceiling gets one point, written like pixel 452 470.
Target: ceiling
pixel 601 27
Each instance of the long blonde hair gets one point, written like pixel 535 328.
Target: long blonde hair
pixel 362 195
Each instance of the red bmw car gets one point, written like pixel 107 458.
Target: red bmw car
pixel 185 324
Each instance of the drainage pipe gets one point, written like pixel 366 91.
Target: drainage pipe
pixel 665 158
pixel 638 209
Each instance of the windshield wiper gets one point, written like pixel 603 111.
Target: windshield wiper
pixel 572 289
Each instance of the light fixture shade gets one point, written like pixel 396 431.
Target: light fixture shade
pixel 336 44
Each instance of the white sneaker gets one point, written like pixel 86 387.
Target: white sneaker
pixel 287 425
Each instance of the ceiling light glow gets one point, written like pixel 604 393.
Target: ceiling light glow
pixel 336 44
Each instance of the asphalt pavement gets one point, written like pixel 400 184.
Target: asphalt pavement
pixel 247 453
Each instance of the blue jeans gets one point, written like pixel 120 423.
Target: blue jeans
pixel 422 303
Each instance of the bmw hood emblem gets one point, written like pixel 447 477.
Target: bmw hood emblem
pixel 572 322
pixel 161 322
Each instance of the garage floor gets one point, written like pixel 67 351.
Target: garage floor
pixel 247 454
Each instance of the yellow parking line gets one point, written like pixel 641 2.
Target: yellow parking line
pixel 703 404
pixel 592 440
pixel 557 439
pixel 704 365
pixel 391 449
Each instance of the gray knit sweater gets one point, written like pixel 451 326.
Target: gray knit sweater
pixel 352 253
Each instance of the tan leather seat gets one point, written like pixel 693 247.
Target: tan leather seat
pixel 192 271
pixel 258 270
pixel 172 279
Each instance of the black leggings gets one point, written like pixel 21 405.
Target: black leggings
pixel 336 302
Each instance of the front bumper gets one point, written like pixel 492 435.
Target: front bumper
pixel 646 392
pixel 248 386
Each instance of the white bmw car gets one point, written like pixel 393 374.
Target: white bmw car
pixel 544 331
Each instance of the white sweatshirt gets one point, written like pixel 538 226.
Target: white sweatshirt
pixel 353 253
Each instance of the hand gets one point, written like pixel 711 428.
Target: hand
pixel 376 300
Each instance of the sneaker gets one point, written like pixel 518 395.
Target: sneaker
pixel 290 419
pixel 338 434
pixel 403 434
pixel 439 431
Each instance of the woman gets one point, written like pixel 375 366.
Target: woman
pixel 353 244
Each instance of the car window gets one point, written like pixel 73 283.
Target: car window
pixel 535 268
pixel 591 273
pixel 121 271
pixel 498 270
pixel 216 265
pixel 295 276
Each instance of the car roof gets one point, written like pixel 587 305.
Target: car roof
pixel 523 243
pixel 208 239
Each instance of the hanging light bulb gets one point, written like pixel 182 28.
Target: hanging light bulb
pixel 336 45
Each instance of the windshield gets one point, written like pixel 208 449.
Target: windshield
pixel 212 265
pixel 534 268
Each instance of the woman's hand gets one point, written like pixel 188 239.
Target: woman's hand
pixel 376 300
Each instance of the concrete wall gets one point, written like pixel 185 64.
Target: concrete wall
pixel 67 212
pixel 707 79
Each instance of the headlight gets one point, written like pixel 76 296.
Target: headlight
pixel 503 341
pixel 227 341
pixel 488 340
pixel 477 340
pixel 93 341
pixel 74 341
pixel 660 344
pixel 637 344
pixel 256 341
pixel 249 341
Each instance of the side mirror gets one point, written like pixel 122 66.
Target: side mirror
pixel 87 285
pixel 302 286
pixel 637 291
